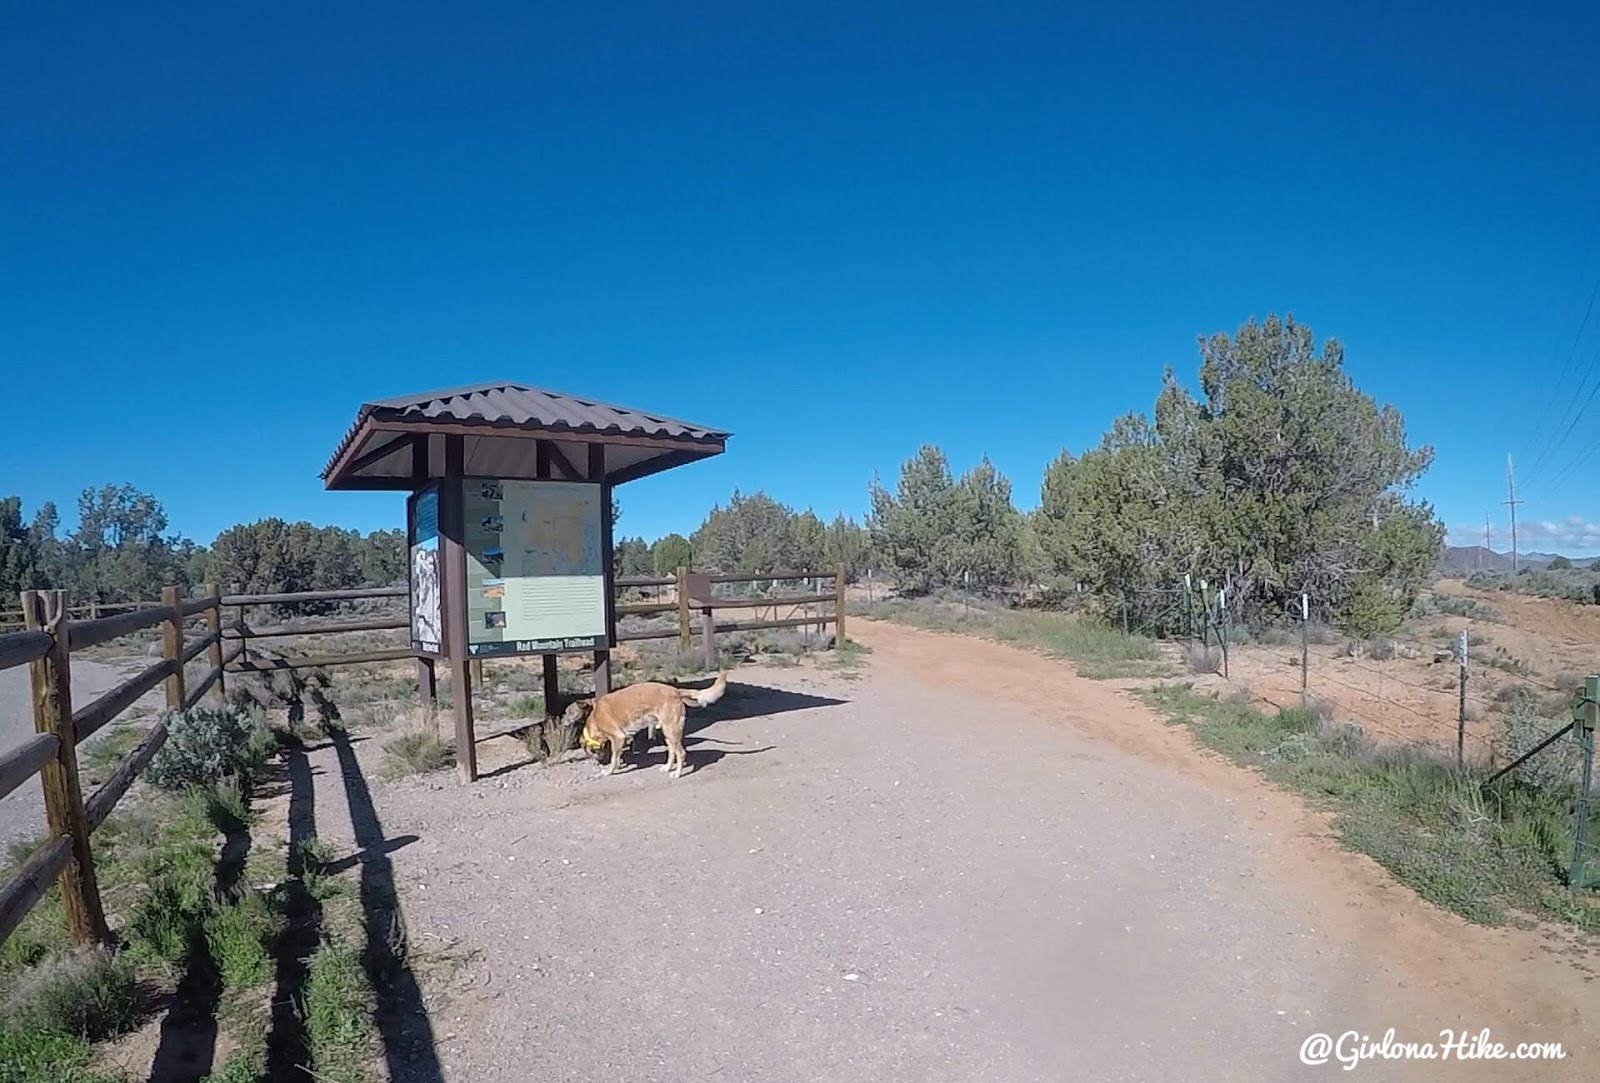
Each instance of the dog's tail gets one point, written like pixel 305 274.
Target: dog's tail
pixel 705 697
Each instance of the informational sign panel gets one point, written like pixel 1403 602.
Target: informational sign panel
pixel 697 585
pixel 536 576
pixel 422 540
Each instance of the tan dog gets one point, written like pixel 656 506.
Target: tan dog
pixel 617 716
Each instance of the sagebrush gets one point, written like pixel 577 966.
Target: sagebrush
pixel 206 745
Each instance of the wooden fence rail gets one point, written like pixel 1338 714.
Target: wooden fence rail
pixel 52 633
pixel 46 647
pixel 11 619
pixel 692 594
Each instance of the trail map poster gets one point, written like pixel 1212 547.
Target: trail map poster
pixel 422 537
pixel 536 579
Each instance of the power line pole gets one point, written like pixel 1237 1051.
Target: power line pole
pixel 1512 502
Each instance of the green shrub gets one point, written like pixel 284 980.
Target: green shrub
pixel 87 994
pixel 206 745
pixel 1409 807
pixel 1371 610
pixel 338 1011
pixel 239 937
pixel 1523 726
pixel 162 924
pixel 247 1065
pixel 36 1056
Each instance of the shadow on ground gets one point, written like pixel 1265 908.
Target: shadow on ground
pixel 407 1033
pixel 744 701
pixel 288 1052
pixel 740 702
pixel 186 1050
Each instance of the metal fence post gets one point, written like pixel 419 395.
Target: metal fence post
pixel 708 632
pixel 428 691
pixel 46 611
pixel 838 605
pixel 1578 877
pixel 1222 627
pixel 1461 711
pixel 172 646
pixel 682 588
pixel 1305 650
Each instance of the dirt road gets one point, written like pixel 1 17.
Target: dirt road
pixel 970 865
pixel 22 812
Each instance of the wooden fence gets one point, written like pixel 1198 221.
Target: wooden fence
pixel 46 646
pixel 14 619
pixel 50 635
pixel 686 602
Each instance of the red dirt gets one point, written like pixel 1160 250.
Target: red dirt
pixel 1529 984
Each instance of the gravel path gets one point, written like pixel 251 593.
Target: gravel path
pixel 22 812
pixel 873 880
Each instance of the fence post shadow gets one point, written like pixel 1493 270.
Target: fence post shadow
pixel 403 1023
pixel 288 1052
pixel 187 1046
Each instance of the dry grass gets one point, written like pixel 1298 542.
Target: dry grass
pixel 417 751
pixel 1199 658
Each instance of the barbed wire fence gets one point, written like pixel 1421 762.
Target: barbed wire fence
pixel 1206 617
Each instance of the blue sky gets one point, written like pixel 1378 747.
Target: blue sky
pixel 838 232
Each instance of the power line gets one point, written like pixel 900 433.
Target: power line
pixel 1566 367
pixel 1512 502
pixel 1543 449
pixel 1551 451
pixel 1572 467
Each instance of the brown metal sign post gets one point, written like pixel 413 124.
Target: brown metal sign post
pixel 497 459
pixel 698 586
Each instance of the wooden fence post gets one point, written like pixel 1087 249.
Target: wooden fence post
pixel 46 611
pixel 838 606
pixel 708 632
pixel 477 672
pixel 214 629
pixel 683 608
pixel 172 646
pixel 428 691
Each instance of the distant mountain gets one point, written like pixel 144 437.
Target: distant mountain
pixel 1539 560
pixel 1466 559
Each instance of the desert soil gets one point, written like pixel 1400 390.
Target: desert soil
pixel 970 864
pixel 1544 644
